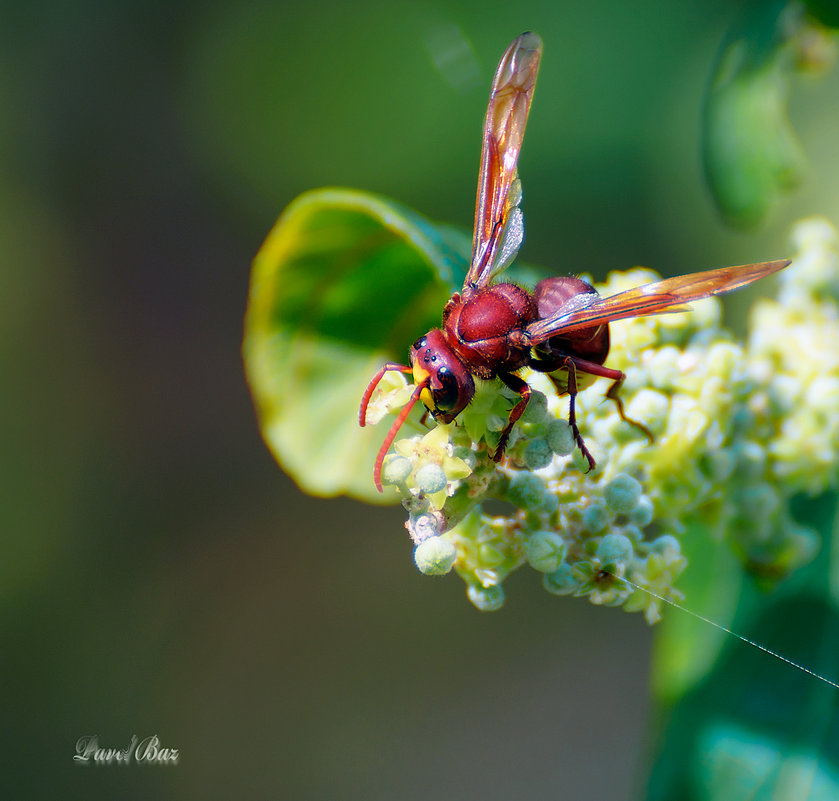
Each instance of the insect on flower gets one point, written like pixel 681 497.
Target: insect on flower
pixel 492 330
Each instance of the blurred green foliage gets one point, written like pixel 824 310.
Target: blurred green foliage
pixel 751 153
pixel 730 727
pixel 159 572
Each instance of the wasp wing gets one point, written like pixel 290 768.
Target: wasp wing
pixel 499 223
pixel 659 297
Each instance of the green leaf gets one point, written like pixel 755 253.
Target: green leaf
pixel 750 151
pixel 344 282
pixel 826 11
pixel 686 648
pixel 750 726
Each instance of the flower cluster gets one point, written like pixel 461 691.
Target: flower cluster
pixel 739 430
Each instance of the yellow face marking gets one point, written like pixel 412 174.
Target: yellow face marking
pixel 428 399
pixel 421 375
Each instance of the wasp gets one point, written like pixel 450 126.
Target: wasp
pixel 493 330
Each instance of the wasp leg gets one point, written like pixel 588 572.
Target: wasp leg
pixel 549 367
pixel 613 393
pixel 523 388
pixel 574 363
pixel 570 364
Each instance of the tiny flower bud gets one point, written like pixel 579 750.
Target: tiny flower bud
pixel 759 502
pixel 544 551
pixel 595 518
pixel 633 532
pixel 560 438
pixel 615 548
pixel 430 478
pixel 395 469
pixel 823 395
pixel 642 514
pixel 666 545
pixel 622 493
pixel 751 460
pixel 650 407
pixel 537 454
pixel 812 233
pixel 743 419
pixel 561 581
pixel 435 556
pixel 487 599
pixel 718 465
pixel 526 490
pixel 550 503
pixel 663 365
pixel 536 409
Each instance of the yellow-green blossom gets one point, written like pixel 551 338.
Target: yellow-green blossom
pixel 740 428
pixel 429 456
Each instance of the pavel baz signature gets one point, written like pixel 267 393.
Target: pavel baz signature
pixel 147 751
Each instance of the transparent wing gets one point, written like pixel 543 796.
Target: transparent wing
pixel 499 223
pixel 660 297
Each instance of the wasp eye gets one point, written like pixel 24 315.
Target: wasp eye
pixel 445 398
pixel 420 343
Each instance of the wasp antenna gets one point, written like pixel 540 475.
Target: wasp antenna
pixel 391 435
pixel 368 393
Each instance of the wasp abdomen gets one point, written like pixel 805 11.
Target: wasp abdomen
pixel 551 295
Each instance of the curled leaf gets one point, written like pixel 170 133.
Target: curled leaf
pixel 344 282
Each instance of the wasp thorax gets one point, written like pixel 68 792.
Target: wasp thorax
pixel 449 384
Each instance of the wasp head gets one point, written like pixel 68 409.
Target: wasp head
pixel 448 384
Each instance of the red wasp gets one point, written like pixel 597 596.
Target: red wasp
pixel 562 328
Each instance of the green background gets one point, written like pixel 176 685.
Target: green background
pixel 159 573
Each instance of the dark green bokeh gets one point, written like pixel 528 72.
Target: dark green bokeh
pixel 160 574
